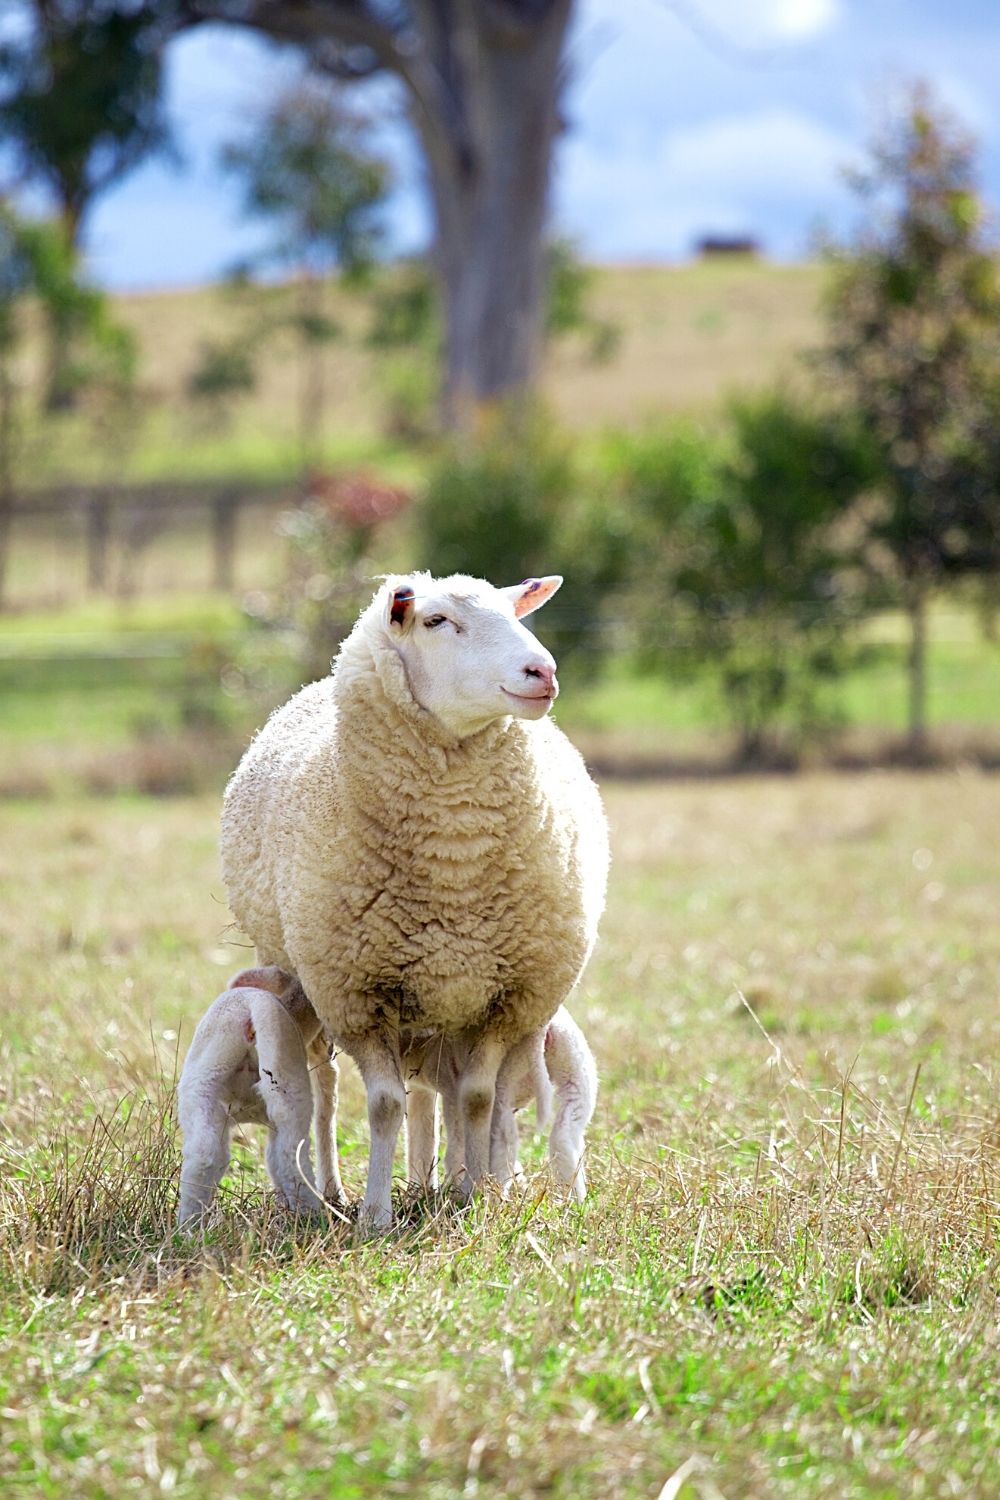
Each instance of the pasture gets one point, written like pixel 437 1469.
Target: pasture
pixel 688 335
pixel 784 1281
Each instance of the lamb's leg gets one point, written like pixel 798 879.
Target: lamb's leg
pixel 570 1064
pixel 386 1107
pixel 205 1126
pixel 422 1136
pixel 324 1076
pixel 287 1154
pixel 476 1094
pixel 284 1090
pixel 513 1089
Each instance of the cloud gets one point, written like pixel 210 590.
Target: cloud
pixel 764 22
pixel 767 172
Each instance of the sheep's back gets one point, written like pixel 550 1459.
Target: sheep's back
pixel 445 889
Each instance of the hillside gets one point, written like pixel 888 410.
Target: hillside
pixel 688 335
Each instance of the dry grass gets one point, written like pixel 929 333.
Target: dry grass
pixel 784 1281
pixel 688 336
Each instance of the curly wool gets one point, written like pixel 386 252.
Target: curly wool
pixel 411 879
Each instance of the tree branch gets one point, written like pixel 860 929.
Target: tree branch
pixel 369 42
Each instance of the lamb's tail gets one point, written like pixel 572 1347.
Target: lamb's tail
pixel 571 1068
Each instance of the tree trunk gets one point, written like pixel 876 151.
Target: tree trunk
pixel 484 80
pixel 490 202
pixel 916 607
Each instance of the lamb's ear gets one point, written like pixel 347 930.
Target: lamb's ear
pixel 530 595
pixel 399 610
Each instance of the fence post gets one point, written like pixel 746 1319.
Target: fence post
pixel 225 510
pixel 98 537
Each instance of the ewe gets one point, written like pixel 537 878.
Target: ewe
pixel 422 847
pixel 258 1058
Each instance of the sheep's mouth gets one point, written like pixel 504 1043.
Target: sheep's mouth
pixel 546 697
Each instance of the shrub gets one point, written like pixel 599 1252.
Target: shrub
pixel 331 537
pixel 511 506
pixel 747 570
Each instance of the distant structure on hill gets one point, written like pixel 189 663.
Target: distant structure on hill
pixel 711 245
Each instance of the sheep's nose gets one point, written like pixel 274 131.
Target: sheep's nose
pixel 543 672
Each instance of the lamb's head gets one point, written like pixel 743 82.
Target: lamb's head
pixel 468 658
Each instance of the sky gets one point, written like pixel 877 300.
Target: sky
pixel 684 117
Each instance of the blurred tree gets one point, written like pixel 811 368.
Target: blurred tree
pixel 484 82
pixel 745 565
pixel 407 322
pixel 308 166
pixel 36 265
pixel 80 107
pixel 512 505
pixel 914 321
pixel 15 285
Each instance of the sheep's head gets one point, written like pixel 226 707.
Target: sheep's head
pixel 468 658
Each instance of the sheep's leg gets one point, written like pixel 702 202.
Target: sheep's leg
pixel 476 1095
pixel 454 1147
pixel 324 1076
pixel 504 1143
pixel 422 1136
pixel 379 1068
pixel 205 1126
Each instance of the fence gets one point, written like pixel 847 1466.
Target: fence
pixel 123 540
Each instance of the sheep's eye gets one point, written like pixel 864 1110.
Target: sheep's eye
pixel 435 621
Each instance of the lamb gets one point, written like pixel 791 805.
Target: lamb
pixel 419 843
pixel 258 1057
pixel 557 1058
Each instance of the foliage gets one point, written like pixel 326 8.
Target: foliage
pixel 567 307
pixel 508 507
pixel 914 336
pixel 747 568
pixel 914 308
pixel 96 350
pixel 97 353
pixel 406 319
pixel 332 563
pixel 80 96
pixel 308 167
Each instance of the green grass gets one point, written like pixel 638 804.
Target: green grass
pixel 783 1283
pixel 106 677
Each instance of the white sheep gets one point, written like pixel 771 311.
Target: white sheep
pixel 556 1060
pixel 258 1057
pixel 422 846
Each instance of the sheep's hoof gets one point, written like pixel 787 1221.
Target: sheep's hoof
pixel 374 1219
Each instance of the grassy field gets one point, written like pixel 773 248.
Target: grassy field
pixel 784 1281
pixel 688 335
pixel 150 694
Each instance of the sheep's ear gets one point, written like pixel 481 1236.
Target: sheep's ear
pixel 399 611
pixel 530 595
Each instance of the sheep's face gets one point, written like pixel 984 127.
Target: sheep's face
pixel 468 658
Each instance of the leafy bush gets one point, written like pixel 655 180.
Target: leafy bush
pixel 747 569
pixel 509 507
pixel 331 540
